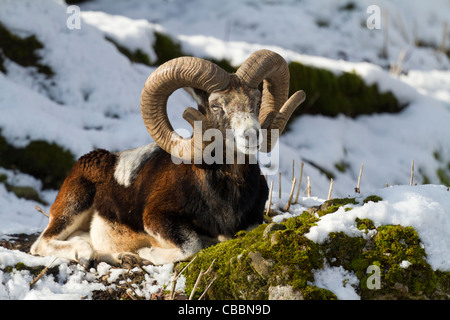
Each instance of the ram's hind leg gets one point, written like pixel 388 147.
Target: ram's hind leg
pixel 67 233
pixel 172 240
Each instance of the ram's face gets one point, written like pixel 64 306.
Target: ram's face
pixel 234 112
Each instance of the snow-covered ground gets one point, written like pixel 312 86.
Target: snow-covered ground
pixel 92 101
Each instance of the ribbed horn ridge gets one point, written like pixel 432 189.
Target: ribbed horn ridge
pixel 270 68
pixel 173 75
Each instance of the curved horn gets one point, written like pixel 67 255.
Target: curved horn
pixel 270 67
pixel 170 76
pixel 279 122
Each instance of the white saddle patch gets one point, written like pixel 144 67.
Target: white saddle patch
pixel 130 161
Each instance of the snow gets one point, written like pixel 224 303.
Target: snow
pixel 426 208
pixel 337 280
pixel 93 101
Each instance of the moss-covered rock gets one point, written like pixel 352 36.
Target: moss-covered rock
pixel 166 48
pixel 137 56
pixel 247 266
pixel 23 51
pixel 277 261
pixel 45 161
pixel 330 95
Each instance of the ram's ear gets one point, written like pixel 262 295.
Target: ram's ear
pixel 200 96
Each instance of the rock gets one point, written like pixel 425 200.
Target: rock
pixel 272 227
pixel 262 266
pixel 284 293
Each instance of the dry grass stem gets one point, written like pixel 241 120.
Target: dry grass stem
pixel 269 203
pixel 41 211
pixel 331 189
pixel 358 186
pixel 200 275
pixel 291 194
pixel 176 275
pixel 308 187
pixel 41 274
pixel 299 182
pixel 279 185
pixel 207 287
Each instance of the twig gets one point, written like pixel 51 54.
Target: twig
pixel 412 173
pixel 200 275
pixel 41 211
pixel 331 189
pixel 209 285
pixel 270 199
pixel 358 186
pixel 132 297
pixel 176 275
pixel 291 194
pixel 299 182
pixel 41 274
pixel 196 284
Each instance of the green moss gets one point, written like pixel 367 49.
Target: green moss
pixel 22 51
pixel 364 224
pixel 315 293
pixel 166 48
pixel 26 192
pixel 137 56
pixel 330 95
pixel 287 255
pixel 443 172
pixel 20 266
pixel 45 161
pixel 342 166
pixel 350 6
pixel 372 198
pixel 391 246
pixel 341 249
pixel 333 205
pixel 444 176
pixel 224 64
pixel 271 256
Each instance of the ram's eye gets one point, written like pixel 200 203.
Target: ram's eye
pixel 215 107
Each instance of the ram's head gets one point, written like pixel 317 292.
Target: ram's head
pixel 226 102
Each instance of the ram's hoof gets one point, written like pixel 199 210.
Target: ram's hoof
pixel 129 260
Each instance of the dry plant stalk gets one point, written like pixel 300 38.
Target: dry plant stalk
pixel 291 194
pixel 207 287
pixel 308 187
pixel 299 182
pixel 200 275
pixel 279 185
pixel 396 69
pixel 293 171
pixel 331 189
pixel 41 274
pixel 412 173
pixel 41 211
pixel 358 186
pixel 270 199
pixel 176 275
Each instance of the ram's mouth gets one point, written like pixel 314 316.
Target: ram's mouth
pixel 247 141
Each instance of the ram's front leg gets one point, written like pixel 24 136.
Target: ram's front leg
pixel 172 239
